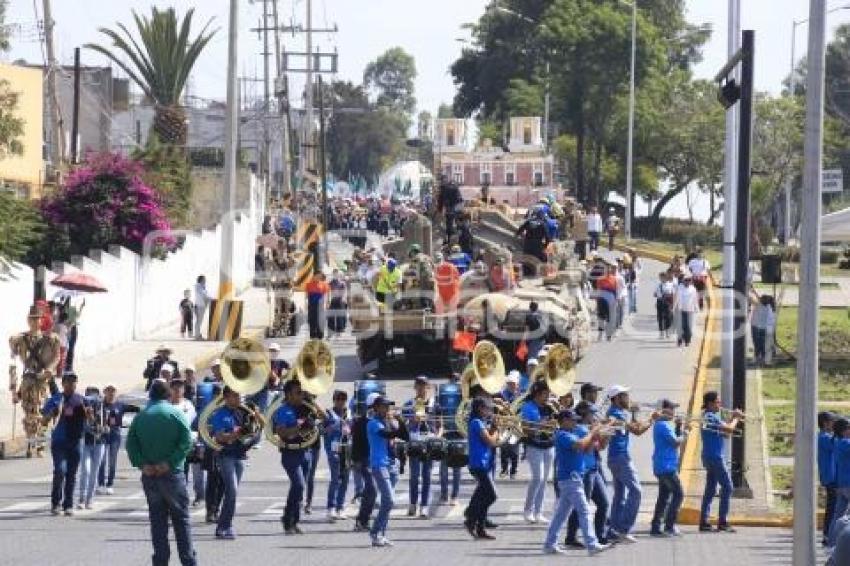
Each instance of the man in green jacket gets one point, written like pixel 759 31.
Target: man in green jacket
pixel 158 442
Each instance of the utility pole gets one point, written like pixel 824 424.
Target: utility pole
pixel 805 496
pixel 308 96
pixel 58 129
pixel 267 158
pixel 630 205
pixel 323 168
pixel 75 120
pixel 231 133
pixel 730 179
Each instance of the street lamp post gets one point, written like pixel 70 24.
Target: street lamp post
pixel 630 151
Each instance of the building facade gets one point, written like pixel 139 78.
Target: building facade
pixel 518 173
pixel 24 174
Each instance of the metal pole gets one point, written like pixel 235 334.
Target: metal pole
pixel 805 496
pixel 742 258
pixel 58 129
pixel 267 157
pixel 630 211
pixel 308 96
pixel 789 185
pixel 231 134
pixel 324 173
pixel 730 178
pixel 546 103
pixel 75 118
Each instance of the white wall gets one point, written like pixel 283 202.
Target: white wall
pixel 16 291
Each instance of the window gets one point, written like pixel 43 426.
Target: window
pixel 486 175
pixel 450 135
pixel 538 178
pixel 526 134
pixel 510 174
pixel 457 173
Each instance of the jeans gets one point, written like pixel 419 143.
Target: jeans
pixel 829 513
pixel 338 484
pixel 632 289
pixel 482 498
pixel 594 240
pixel 293 462
pixel 198 477
pixel 539 463
pixel 368 497
pixel 66 460
pixel 596 490
pixel 621 311
pixel 420 468
pixel 717 473
pixel 572 497
pixel 626 501
pixel 670 497
pixel 384 485
pixel 759 335
pixel 310 471
pixel 231 472
pixel 109 464
pixel 534 347
pixel 90 459
pixel 509 456
pixel 444 481
pixel 686 320
pixel 168 499
pixel 842 504
pixel 662 314
pixel 357 477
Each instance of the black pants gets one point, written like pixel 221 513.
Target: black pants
pixel 482 498
pixel 830 508
pixel 509 456
pixel 686 320
pixel 594 240
pixel 450 225
pixel 670 496
pixel 72 344
pixel 662 312
pixel 214 491
pixel 66 460
pixel 313 320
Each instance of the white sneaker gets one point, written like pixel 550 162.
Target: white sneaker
pixel 529 517
pixel 331 516
pixel 88 505
pixel 598 548
pixel 541 518
pixel 411 510
pixel 453 502
pixel 553 550
pixel 342 515
pixel 423 513
pixel 628 539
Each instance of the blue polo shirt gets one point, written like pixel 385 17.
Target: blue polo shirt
pixel 480 453
pixel 226 420
pixel 532 412
pixel 591 458
pixel 826 459
pixel 712 438
pixel 379 447
pixel 842 462
pixel 570 460
pixel 619 443
pixel 665 456
pixel 70 422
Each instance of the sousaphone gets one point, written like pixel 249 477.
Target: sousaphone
pixel 486 370
pixel 557 369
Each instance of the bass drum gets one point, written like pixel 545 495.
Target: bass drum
pixel 457 455
pixel 417 449
pixel 362 390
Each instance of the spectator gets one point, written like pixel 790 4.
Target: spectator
pixel 202 300
pixel 186 314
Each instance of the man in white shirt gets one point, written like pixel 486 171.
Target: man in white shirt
pixel 622 293
pixel 699 268
pixel 687 303
pixel 594 227
pixel 202 300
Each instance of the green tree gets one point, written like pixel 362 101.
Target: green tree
pixel 445 111
pixel 4 35
pixel 391 78
pixel 160 65
pixel 21 226
pixel 11 125
pixel 167 169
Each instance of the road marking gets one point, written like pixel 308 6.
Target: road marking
pixel 38 479
pixel 26 506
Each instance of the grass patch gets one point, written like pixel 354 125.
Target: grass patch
pixel 714 256
pixel 780 382
pixel 834 330
pixel 783 481
pixel 779 422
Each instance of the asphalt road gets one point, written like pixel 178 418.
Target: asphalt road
pixel 116 530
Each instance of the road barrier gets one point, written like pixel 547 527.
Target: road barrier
pixel 225 320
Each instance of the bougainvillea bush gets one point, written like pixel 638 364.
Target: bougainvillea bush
pixel 105 202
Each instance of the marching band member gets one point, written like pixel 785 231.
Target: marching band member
pixel 571 444
pixel 289 423
pixel 311 465
pixel 714 431
pixel 336 430
pixel 589 392
pixel 114 411
pixel 841 447
pixel 421 427
pixel 93 447
pixel 360 462
pixel 826 467
pixel 595 487
pixel 509 453
pixel 68 407
pixel 538 450
pixel 227 424
pixel 627 492
pixel 667 436
pixel 382 428
pixel 482 439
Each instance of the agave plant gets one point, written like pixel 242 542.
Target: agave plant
pixel 160 64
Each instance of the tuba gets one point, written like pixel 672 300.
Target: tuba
pixel 557 369
pixel 315 368
pixel 486 370
pixel 245 368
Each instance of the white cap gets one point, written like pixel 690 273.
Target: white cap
pixel 167 367
pixel 532 362
pixel 274 347
pixel 513 376
pixel 370 400
pixel 215 362
pixel 615 390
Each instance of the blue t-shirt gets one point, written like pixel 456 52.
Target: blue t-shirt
pixel 665 456
pixel 591 458
pixel 225 420
pixel 71 420
pixel 379 447
pixel 509 396
pixel 524 382
pixel 480 453
pixel 712 437
pixel 619 443
pixel 532 412
pixel 826 459
pixel 570 462
pixel 842 462
pixel 333 427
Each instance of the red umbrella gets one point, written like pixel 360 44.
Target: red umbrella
pixel 79 282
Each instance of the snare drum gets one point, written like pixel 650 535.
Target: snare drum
pixel 417 449
pixel 457 455
pixel 400 450
pixel 436 449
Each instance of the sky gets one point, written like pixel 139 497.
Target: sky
pixel 428 30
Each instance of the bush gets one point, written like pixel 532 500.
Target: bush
pixel 792 255
pixel 20 226
pixel 105 202
pixel 678 231
pixel 167 169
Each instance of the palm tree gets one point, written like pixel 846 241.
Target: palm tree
pixel 160 65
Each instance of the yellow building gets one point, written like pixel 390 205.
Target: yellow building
pixel 24 174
